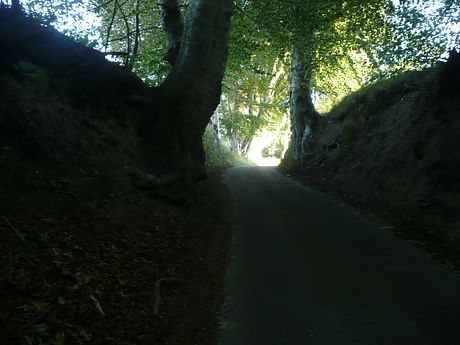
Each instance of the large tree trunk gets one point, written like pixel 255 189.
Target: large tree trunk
pixel 303 115
pixel 171 128
pixel 192 90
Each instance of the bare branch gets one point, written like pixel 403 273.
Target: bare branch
pixel 136 35
pixel 128 30
pixel 173 24
pixel 12 227
pixel 109 29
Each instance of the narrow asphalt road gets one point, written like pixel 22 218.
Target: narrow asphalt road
pixel 308 271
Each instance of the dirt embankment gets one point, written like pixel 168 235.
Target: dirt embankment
pixel 392 149
pixel 87 258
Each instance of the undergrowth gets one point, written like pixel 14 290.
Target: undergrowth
pixel 220 156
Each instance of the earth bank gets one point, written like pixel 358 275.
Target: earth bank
pixel 391 151
pixel 91 253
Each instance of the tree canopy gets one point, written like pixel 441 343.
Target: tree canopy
pixel 345 44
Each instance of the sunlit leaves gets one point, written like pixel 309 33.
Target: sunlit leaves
pixel 348 43
pixel 73 17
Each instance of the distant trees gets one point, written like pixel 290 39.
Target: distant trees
pixel 338 46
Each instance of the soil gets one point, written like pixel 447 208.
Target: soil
pixel 89 255
pixel 130 271
pixel 390 152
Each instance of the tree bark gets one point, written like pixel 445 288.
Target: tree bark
pixel 192 90
pixel 174 27
pixel 304 117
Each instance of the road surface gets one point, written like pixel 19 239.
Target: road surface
pixel 306 270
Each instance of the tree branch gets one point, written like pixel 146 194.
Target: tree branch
pixel 137 34
pixel 109 29
pixel 128 31
pixel 173 24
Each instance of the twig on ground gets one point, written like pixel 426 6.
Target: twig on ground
pixel 16 231
pixel 97 304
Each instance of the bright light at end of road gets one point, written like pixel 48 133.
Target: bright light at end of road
pixel 255 152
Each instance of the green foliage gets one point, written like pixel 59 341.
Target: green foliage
pixel 409 36
pixel 255 96
pixel 133 27
pixel 347 44
pixel 75 18
pixel 325 31
pixel 275 149
pixel 241 126
pixel 218 155
pixel 114 27
pixel 350 43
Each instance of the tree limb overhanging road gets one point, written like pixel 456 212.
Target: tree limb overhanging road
pixel 306 270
